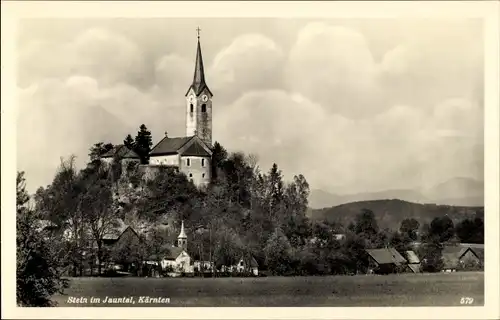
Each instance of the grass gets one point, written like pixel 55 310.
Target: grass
pixel 330 291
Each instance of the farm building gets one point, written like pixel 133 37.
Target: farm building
pixel 122 234
pixel 460 258
pixel 386 260
pixel 413 262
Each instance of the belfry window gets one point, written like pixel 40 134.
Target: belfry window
pixel 191 108
pixel 202 162
pixel 188 162
pixel 203 108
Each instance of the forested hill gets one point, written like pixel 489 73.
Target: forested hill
pixel 390 213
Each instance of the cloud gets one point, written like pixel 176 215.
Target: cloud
pixel 249 62
pixel 399 145
pixel 323 105
pixel 434 67
pixel 333 66
pixel 97 53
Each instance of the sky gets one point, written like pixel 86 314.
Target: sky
pixel 355 105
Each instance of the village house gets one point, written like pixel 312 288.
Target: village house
pixel 460 258
pixel 123 153
pixel 385 260
pixel 248 264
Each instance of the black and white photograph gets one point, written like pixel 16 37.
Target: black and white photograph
pixel 198 160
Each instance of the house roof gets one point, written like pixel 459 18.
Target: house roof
pixel 173 253
pixel 121 151
pixel 117 232
pixel 169 145
pixel 479 253
pixel 472 245
pixel 412 257
pixel 386 256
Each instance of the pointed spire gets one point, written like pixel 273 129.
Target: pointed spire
pixel 199 71
pixel 182 234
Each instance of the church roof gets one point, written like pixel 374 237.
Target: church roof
pixel 199 83
pixel 196 149
pixel 121 151
pixel 173 253
pixel 174 145
pixel 169 145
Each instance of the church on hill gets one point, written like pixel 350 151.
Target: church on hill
pixel 192 153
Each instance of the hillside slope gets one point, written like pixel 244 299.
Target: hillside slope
pixel 390 213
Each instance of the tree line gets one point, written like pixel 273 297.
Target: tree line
pixel 244 212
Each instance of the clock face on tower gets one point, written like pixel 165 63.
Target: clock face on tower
pixel 204 98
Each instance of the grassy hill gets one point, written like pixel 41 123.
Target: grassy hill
pixel 390 213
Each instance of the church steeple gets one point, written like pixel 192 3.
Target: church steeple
pixel 199 103
pixel 182 238
pixel 199 83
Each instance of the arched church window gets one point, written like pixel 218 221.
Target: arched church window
pixel 190 175
pixel 203 108
pixel 191 108
pixel 202 162
pixel 188 162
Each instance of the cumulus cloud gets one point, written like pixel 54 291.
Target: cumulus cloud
pixel 97 53
pixel 324 105
pixel 333 66
pixel 249 62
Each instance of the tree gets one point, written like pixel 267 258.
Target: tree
pixel 96 204
pixel 400 241
pixel 60 204
pixel 219 155
pixel 441 228
pixel 410 227
pixel 98 149
pixel 168 191
pixel 129 142
pixel 432 257
pixel 38 273
pixel 278 253
pixel 143 143
pixel 471 231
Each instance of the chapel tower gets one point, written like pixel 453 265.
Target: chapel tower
pixel 199 103
pixel 182 238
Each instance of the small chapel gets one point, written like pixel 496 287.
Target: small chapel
pixel 192 153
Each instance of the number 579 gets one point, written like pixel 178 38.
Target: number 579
pixel 466 300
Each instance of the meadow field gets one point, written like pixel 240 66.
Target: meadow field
pixel 328 291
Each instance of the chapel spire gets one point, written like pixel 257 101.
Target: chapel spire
pixel 182 238
pixel 199 71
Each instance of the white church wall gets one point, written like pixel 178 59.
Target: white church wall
pixel 169 160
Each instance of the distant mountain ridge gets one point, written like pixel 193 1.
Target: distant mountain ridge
pixel 390 213
pixel 457 191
